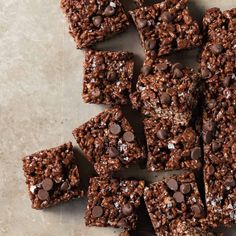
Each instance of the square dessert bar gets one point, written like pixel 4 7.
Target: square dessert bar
pixel 52 176
pixel 175 205
pixel 108 141
pixel 107 77
pixel 166 27
pixel 167 90
pixel 171 146
pixel 93 21
pixel 113 202
pixel 219 135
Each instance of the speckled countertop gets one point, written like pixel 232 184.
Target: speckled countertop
pixel 40 104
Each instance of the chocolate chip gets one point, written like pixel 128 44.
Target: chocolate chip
pixel 150 44
pixel 99 60
pixel 178 73
pixel 230 182
pixel 43 194
pixel 65 186
pixel 177 65
pixel 112 75
pixel 113 152
pixel 185 188
pixel 127 209
pixel 211 170
pixel 162 134
pixel 227 81
pixel 172 184
pixel 216 48
pixel 141 23
pixel 96 92
pixel 207 137
pixel 97 20
pixel 128 136
pixel 162 66
pixel 216 146
pixel 146 70
pixel 165 99
pixel 197 211
pixel 206 73
pixel 97 211
pixel 210 126
pixel 109 11
pixel 115 129
pixel 179 197
pixel 196 153
pixel 47 184
pixel 166 17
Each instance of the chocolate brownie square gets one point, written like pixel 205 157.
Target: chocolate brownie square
pixel 166 90
pixel 93 21
pixel 108 141
pixel 166 27
pixel 52 176
pixel 171 146
pixel 175 205
pixel 107 77
pixel 113 202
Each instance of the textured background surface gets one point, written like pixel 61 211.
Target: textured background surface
pixel 40 104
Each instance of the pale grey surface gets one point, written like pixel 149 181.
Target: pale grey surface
pixel 40 104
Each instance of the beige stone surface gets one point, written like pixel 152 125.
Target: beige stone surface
pixel 40 104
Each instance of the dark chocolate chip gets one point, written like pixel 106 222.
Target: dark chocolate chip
pixel 216 146
pixel 115 129
pixel 165 99
pixel 141 23
pixel 210 126
pixel 206 73
pixel 216 48
pixel 197 211
pixel 43 194
pixel 151 44
pixel 177 65
pixel 97 211
pixel 97 20
pixel 65 186
pixel 179 197
pixel 47 184
pixel 162 66
pixel 96 92
pixel 112 75
pixel 146 70
pixel 99 60
pixel 230 182
pixel 227 81
pixel 211 170
pixel 185 188
pixel 196 153
pixel 178 73
pixel 128 136
pixel 162 134
pixel 166 17
pixel 172 184
pixel 127 209
pixel 207 137
pixel 113 152
pixel 109 11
